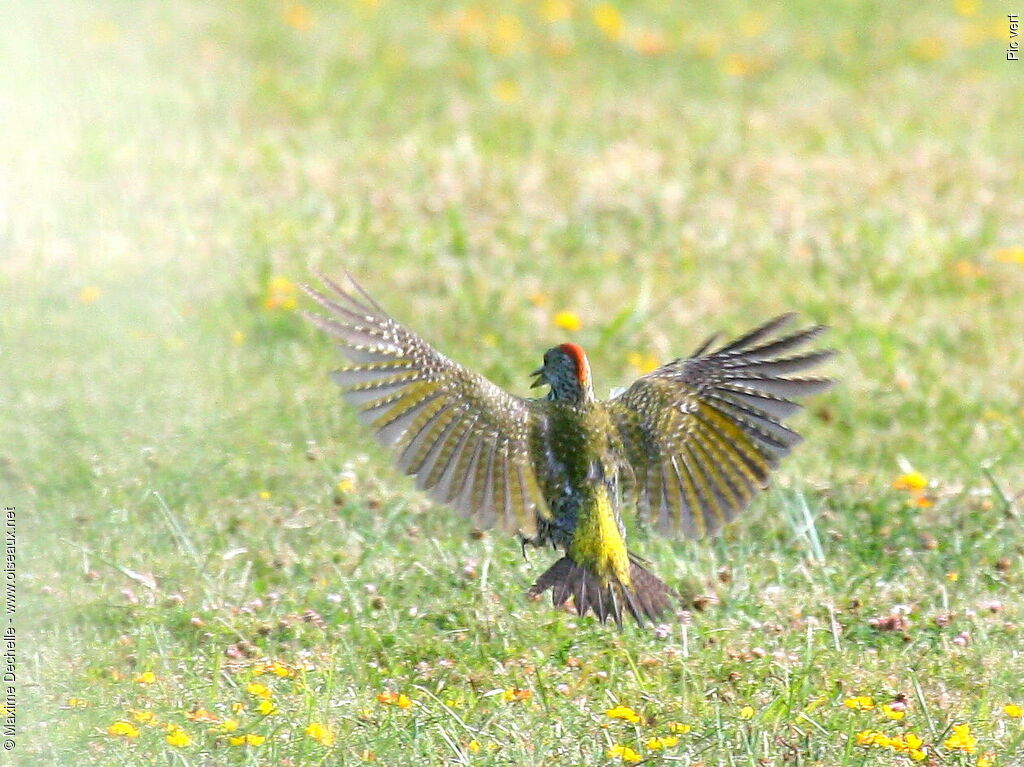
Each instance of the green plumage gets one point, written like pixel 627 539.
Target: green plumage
pixel 690 443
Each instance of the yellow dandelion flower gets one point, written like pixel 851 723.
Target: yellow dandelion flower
pixel 913 482
pixel 747 712
pixel 258 690
pixel 860 703
pixel 735 65
pixel 282 293
pixel 867 737
pixel 961 739
pixel 321 733
pixel 884 741
pixel 237 707
pixel 567 320
pixel 678 728
pixel 298 17
pixel 1013 711
pixel 912 741
pixel 902 744
pixel 514 695
pixel 928 49
pixel 123 729
pixel 966 7
pixel 608 20
pixel 202 715
pixel 506 91
pixel 893 713
pixel 279 669
pixel 394 699
pixel 742 65
pixel 238 338
pixel 89 294
pixel 143 717
pixel 623 712
pixel 77 702
pixel 178 738
pixel 473 746
pixel 554 11
pixel 228 725
pixel 264 495
pixel 917 754
pixel 952 576
pixel 247 740
pixel 266 707
pixel 1014 255
pixel 507 33
pixel 642 363
pixel 625 753
pixel 655 744
pixel 146 677
pixel 753 24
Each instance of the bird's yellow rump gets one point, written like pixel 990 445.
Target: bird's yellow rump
pixel 597 543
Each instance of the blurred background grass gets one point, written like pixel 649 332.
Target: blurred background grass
pixel 656 171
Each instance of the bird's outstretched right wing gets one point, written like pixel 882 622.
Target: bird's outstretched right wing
pixel 702 434
pixel 465 439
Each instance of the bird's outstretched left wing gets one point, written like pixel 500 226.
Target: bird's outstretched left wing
pixel 702 434
pixel 465 439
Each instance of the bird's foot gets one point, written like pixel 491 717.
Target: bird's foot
pixel 525 541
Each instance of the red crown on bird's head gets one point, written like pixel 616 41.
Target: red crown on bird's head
pixel 575 351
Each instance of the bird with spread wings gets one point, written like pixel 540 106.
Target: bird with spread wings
pixel 690 443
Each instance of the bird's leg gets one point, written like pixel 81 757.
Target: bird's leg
pixel 523 540
pixel 536 541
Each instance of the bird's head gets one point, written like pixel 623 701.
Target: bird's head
pixel 567 371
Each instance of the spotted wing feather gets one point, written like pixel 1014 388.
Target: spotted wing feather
pixel 462 437
pixel 702 434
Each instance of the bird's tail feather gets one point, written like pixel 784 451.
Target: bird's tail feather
pixel 645 596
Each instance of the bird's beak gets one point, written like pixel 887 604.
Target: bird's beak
pixel 539 375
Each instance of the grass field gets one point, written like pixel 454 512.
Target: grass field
pixel 217 566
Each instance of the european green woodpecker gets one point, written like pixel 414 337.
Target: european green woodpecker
pixel 688 444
